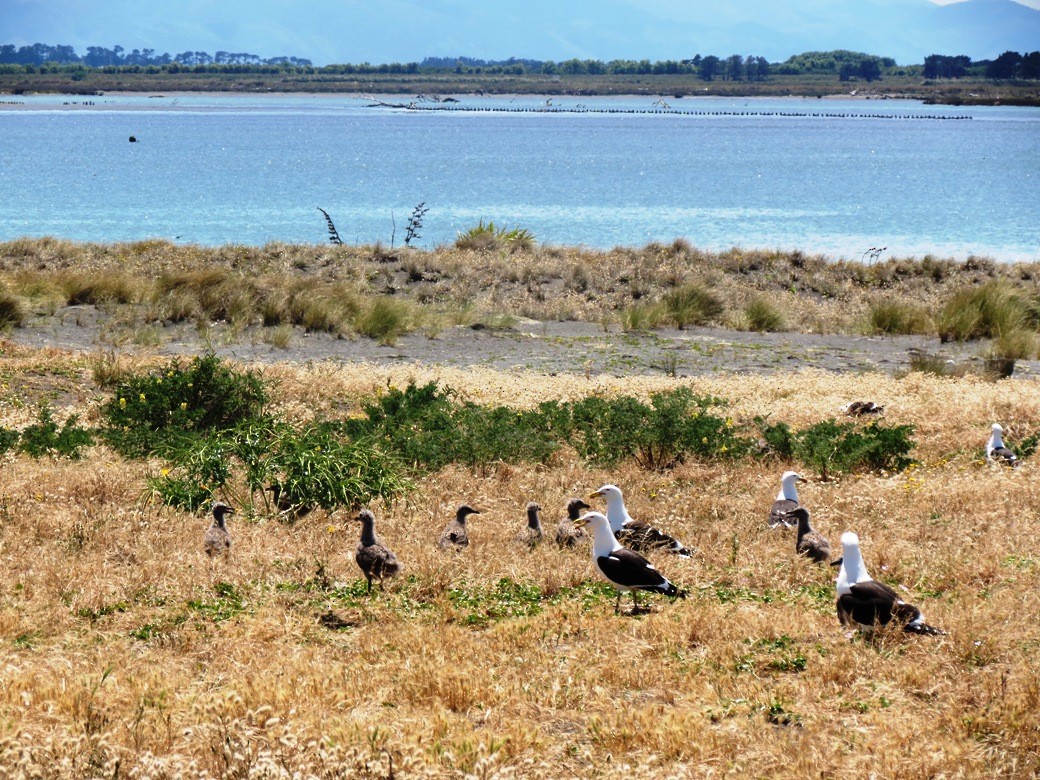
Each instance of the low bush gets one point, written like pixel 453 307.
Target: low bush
pixel 384 320
pixel 832 447
pixel 203 396
pixel 491 237
pixel 12 311
pixel 45 437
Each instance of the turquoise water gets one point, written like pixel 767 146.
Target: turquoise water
pixel 253 169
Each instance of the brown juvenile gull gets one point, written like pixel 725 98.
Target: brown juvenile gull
pixel 637 535
pixel 786 500
pixel 809 543
pixel 531 534
pixel 866 603
pixel 566 534
pixel 372 556
pixel 217 540
pixel 454 534
pixel 996 452
pixel 292 510
pixel 625 569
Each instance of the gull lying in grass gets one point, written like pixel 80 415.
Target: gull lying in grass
pixel 637 535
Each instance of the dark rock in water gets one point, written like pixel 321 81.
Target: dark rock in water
pixel 133 139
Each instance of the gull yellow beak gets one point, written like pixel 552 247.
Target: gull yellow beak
pixel 595 494
pixel 580 522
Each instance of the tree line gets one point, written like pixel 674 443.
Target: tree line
pixel 846 65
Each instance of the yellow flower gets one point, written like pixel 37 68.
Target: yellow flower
pixel 184 404
pixel 164 472
pixel 141 396
pixel 704 440
pixel 332 529
pixel 122 402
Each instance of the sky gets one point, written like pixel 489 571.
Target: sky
pixel 378 31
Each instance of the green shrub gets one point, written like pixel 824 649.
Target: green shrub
pixel 833 447
pixel 778 438
pixel 658 435
pixel 896 318
pixel 8 439
pixel 762 316
pixel 203 396
pixel 46 438
pixel 691 304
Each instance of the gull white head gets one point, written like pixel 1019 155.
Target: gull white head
pixel 603 541
pixel 996 437
pixel 617 515
pixel 788 491
pixel 852 569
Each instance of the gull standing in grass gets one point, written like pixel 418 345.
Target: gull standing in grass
pixel 217 541
pixel 638 535
pixel 454 535
pixel 996 452
pixel 809 543
pixel 786 501
pixel 373 557
pixel 566 534
pixel 866 603
pixel 625 569
pixel 531 534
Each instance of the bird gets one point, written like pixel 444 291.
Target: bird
pixel 625 569
pixel 454 533
pixel 217 541
pixel 809 543
pixel 638 535
pixel 531 534
pixel 566 534
pixel 293 510
pixel 786 500
pixel 373 557
pixel 867 603
pixel 996 452
pixel 861 408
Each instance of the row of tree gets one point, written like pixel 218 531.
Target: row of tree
pixel 845 64
pixel 1009 65
pixel 100 57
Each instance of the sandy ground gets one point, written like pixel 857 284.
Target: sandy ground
pixel 545 347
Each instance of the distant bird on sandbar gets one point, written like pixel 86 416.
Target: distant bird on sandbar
pixel 625 569
pixel 217 541
pixel 996 451
pixel 809 543
pixel 866 603
pixel 786 501
pixel 373 557
pixel 454 534
pixel 566 534
pixel 531 534
pixel 636 534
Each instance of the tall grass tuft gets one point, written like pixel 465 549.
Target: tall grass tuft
pixel 692 304
pixel 385 320
pixel 491 237
pixel 762 316
pixel 986 311
pixel 892 317
pixel 12 311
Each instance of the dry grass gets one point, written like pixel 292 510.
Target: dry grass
pixel 121 653
pixel 336 288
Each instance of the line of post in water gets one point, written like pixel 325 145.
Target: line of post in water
pixel 667 111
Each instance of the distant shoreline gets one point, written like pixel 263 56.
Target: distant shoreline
pixel 964 91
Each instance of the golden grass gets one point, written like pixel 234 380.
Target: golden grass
pixel 113 655
pixel 332 288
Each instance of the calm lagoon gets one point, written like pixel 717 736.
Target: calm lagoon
pixel 834 176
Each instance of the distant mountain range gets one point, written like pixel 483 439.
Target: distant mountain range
pixel 334 31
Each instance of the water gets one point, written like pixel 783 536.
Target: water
pixel 252 169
